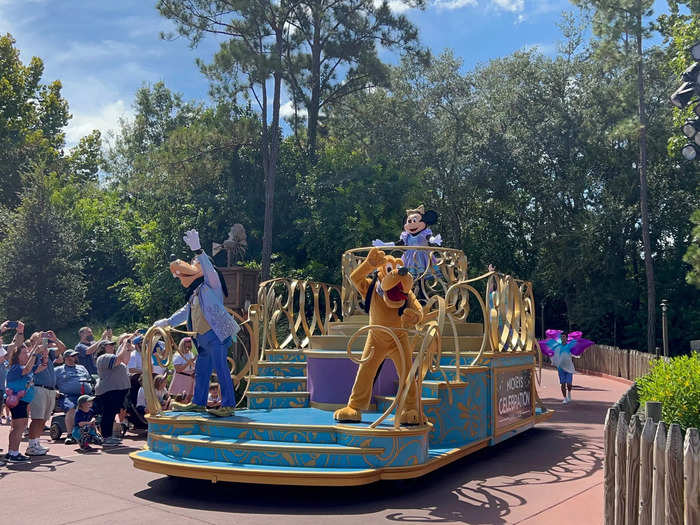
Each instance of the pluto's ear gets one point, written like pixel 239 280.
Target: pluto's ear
pixel 430 217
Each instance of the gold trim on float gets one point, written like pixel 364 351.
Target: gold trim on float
pixel 251 445
pixel 346 429
pixel 329 354
pixel 305 478
pixel 335 406
pixel 281 379
pixel 514 426
pixel 279 394
pixel 424 400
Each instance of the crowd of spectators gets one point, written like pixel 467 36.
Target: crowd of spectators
pixel 96 386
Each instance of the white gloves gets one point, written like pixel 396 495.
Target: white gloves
pixel 436 239
pixel 162 323
pixel 191 238
pixel 379 242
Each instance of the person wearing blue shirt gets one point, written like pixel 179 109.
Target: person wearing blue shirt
pixel 17 340
pixel 44 400
pixel 72 380
pixel 19 380
pixel 85 431
pixel 87 347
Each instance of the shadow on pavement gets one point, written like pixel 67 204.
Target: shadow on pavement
pixel 47 463
pixel 577 411
pixel 481 488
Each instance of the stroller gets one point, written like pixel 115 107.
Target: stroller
pixel 135 420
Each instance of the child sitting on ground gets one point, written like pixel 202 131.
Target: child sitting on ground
pixel 214 399
pixel 160 384
pixel 85 429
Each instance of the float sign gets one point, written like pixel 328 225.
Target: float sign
pixel 513 396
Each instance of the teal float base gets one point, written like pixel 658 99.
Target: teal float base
pixel 296 446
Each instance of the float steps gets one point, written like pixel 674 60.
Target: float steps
pixel 277 384
pixel 268 400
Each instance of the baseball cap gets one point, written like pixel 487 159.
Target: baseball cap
pixel 84 399
pixel 70 353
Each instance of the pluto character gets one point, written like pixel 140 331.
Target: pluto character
pixel 392 304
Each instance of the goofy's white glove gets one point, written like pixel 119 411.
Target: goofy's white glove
pixel 191 238
pixel 161 323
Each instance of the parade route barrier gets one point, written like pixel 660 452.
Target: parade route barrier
pixel 651 475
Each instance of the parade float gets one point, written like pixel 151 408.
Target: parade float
pixel 469 380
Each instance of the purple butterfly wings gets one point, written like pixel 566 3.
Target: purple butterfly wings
pixel 553 340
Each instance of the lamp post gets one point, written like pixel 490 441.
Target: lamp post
pixel 542 319
pixel 664 324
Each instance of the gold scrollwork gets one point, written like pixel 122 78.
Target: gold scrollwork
pixel 293 310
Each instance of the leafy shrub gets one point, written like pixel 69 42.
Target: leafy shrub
pixel 676 384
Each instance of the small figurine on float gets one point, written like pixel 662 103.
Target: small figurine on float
pixel 390 303
pixel 561 348
pixel 416 232
pixel 215 328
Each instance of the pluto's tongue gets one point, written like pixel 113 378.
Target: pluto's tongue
pixel 396 293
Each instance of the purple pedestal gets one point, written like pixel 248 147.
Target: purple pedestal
pixel 330 380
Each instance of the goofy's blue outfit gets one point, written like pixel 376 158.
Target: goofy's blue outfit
pixel 216 329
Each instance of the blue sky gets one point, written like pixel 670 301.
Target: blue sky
pixel 103 51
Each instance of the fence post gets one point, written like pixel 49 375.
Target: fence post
pixel 658 510
pixel 674 476
pixel 653 410
pixel 646 471
pixel 633 434
pixel 620 469
pixel 691 470
pixel 609 465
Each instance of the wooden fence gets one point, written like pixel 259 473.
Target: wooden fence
pixel 651 476
pixel 628 364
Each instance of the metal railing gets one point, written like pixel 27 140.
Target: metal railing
pixel 292 310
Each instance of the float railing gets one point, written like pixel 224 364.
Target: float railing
pixel 292 310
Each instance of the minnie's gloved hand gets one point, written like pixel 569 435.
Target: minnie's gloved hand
pixel 191 238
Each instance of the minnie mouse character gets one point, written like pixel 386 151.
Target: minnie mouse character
pixel 416 232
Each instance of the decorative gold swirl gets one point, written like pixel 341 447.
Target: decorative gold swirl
pixel 297 309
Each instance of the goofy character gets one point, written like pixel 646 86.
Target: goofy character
pixel 216 329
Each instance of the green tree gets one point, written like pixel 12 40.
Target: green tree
pixel 621 29
pixel 245 65
pixel 41 271
pixel 32 118
pixel 331 37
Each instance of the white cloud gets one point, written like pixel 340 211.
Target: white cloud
pixel 81 52
pixel 454 4
pixel 515 6
pixel 287 110
pixel 541 47
pixel 105 118
pixel 396 6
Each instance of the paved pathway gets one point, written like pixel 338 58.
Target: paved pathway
pixel 550 474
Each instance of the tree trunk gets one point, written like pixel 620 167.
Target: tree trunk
pixel 270 157
pixel 313 109
pixel 643 191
